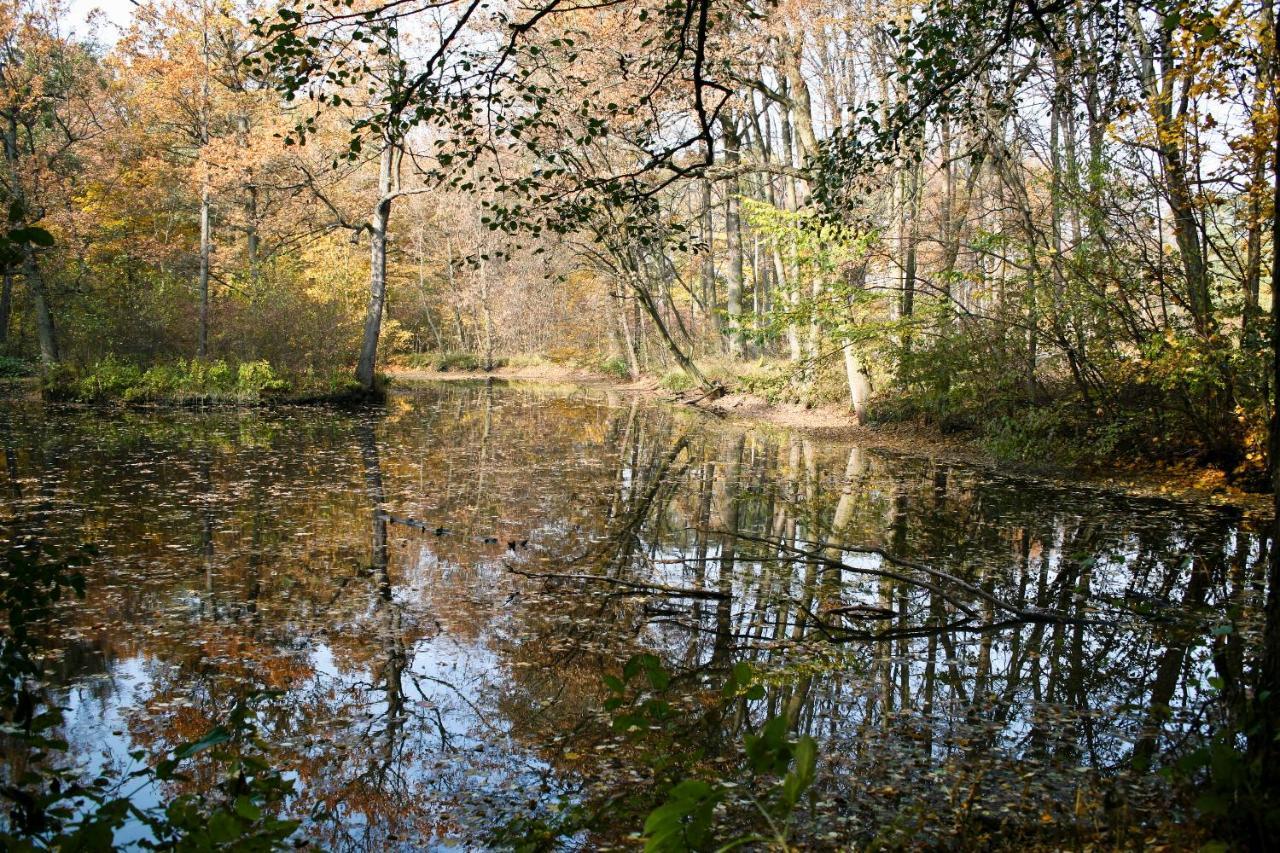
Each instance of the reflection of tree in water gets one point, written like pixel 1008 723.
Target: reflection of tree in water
pixel 266 558
pixel 985 632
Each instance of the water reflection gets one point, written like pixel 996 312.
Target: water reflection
pixel 437 591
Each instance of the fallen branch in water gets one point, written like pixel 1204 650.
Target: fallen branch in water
pixel 653 588
pixel 412 522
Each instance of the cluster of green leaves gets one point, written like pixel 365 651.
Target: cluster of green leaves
pixel 18 239
pixel 616 367
pixel 1226 778
pixel 13 368
pixel 243 811
pixel 781 769
pixel 831 255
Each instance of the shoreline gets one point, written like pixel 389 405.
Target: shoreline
pixel 1187 483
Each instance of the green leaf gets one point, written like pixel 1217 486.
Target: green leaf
pixel 215 736
pixel 247 809
pixel 223 828
pixel 31 234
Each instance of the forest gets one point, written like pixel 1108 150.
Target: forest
pixel 1061 242
pixel 1046 227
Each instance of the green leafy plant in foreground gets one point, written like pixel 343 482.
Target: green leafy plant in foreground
pixel 1228 783
pixel 782 768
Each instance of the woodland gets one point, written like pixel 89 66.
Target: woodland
pixel 1047 226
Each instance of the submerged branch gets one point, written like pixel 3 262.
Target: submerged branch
pixel 816 553
pixel 657 588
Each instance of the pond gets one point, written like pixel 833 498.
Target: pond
pixel 431 597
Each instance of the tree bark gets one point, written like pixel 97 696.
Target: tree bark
pixel 366 368
pixel 202 343
pixel 733 236
pixel 46 334
pixel 6 307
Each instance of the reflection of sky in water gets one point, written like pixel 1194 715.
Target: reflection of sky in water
pixel 237 554
pixel 448 691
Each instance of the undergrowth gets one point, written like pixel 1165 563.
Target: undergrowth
pixel 199 383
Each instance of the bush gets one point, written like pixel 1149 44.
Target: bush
pixel 675 380
pixel 15 368
pixel 616 367
pixel 417 360
pixel 180 382
pixel 257 378
pixel 766 379
pixel 456 361
pixel 523 360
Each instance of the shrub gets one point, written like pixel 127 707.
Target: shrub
pixel 181 382
pixel 616 367
pixel 675 380
pixel 418 360
pixel 523 360
pixel 763 378
pixel 15 368
pixel 257 378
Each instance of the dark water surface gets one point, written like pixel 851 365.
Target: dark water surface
pixel 1012 652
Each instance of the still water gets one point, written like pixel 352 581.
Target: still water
pixel 432 595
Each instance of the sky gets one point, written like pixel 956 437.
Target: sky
pixel 117 13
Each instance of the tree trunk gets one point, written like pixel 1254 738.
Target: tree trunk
pixel 366 368
pixel 45 332
pixel 859 383
pixel 709 296
pixel 908 237
pixel 733 236
pixel 202 343
pixel 1265 742
pixel 6 307
pixel 486 316
pixel 202 285
pixel 854 368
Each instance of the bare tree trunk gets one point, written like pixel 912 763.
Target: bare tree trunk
pixel 709 296
pixel 733 235
pixel 486 316
pixel 792 200
pixel 6 307
pixel 909 239
pixel 202 343
pixel 202 284
pixel 628 339
pixel 365 369
pixel 1159 84
pixel 855 370
pixel 45 332
pixel 253 239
